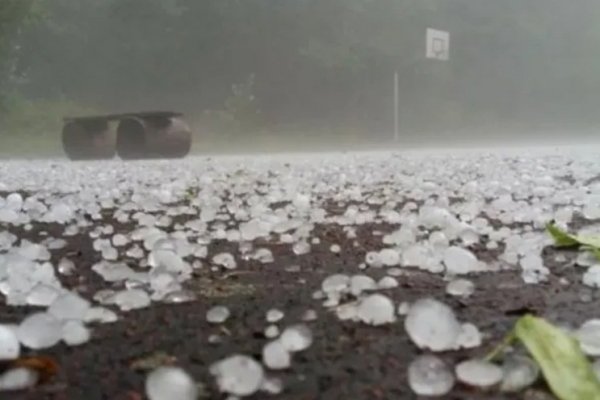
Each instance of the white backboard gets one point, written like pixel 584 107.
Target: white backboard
pixel 438 45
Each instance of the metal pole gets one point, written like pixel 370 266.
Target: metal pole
pixel 396 107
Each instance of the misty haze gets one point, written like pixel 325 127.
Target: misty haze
pixel 299 199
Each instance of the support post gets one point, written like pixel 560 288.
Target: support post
pixel 396 107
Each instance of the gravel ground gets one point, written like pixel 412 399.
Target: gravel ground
pixel 356 194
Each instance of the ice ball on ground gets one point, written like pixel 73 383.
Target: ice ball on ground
pixel 42 295
pixel 389 257
pixel 69 306
pixel 119 240
pixel 429 376
pixel 459 261
pixel 10 348
pixel 66 267
pixel 276 356
pixel 519 372
pixel 39 331
pixel 469 337
pixel 387 282
pixel 272 385
pixel 16 379
pixel 271 331
pixel 274 315
pixel 585 259
pixel 460 288
pixel 403 308
pixel 180 296
pixel 589 337
pixel 296 338
pixel 100 314
pixel 373 259
pixel 591 277
pixel 75 333
pixel 361 283
pixel 264 256
pixel 131 299
pixel 335 284
pixel 238 375
pixel 335 248
pixel 432 325
pixel 170 383
pixel 217 315
pixel 301 248
pixel 225 260
pixel 478 373
pixel 376 310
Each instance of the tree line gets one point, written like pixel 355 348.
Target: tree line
pixel 273 62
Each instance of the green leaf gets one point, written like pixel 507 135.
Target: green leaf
pixel 562 238
pixel 566 369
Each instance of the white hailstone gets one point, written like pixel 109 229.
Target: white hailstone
pixel 589 337
pixel 438 240
pixel 113 272
pixel 274 315
pixel 275 356
pixel 429 376
pixel 135 252
pixel 75 333
pixel 42 295
pixel 432 325
pixel 39 331
pixel 66 267
pixel 301 248
pixel 478 373
pixel 591 277
pixel 335 248
pixel 271 331
pixel 34 251
pixel 238 375
pixel 376 310
pixel 519 372
pixel 218 315
pixel 533 269
pixel 585 259
pixel 69 306
pixel 459 261
pixel 389 257
pixel 296 338
pixel 10 349
pixel 403 308
pixel 180 296
pixel 272 385
pixel 170 383
pixel 119 240
pixel 225 260
pixel 57 244
pixel 335 284
pixel 361 283
pixel 19 378
pixel 315 241
pixel 131 299
pixel 469 337
pixel 348 311
pixel 373 259
pixel 387 282
pixel 264 256
pixel 100 314
pixel 460 288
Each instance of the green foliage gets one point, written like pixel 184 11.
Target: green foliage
pixel 313 60
pixel 567 371
pixel 565 239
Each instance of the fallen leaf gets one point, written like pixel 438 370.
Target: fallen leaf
pixel 566 369
pixel 561 238
pixel 46 367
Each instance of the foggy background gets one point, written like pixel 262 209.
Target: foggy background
pixel 304 68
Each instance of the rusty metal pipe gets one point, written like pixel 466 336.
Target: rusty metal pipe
pixel 88 140
pixel 153 137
